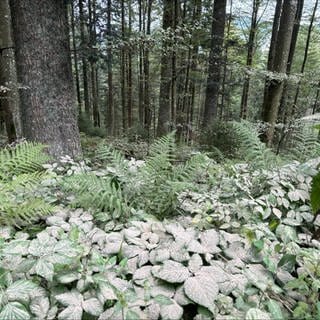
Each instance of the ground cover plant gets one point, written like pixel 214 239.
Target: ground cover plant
pixel 159 238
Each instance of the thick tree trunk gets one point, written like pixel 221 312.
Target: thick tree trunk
pixel 215 62
pixel 44 70
pixel 283 104
pixel 165 76
pixel 274 89
pixel 250 53
pixel 7 90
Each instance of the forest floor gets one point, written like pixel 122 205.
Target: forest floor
pixel 158 238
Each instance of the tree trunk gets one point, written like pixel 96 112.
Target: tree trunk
pixel 123 71
pixel 165 77
pixel 44 70
pixel 274 89
pixel 283 104
pixel 93 62
pixel 146 76
pixel 7 96
pixel 110 108
pixel 129 70
pixel 83 48
pixel 305 57
pixel 75 56
pixel 215 62
pixel 251 49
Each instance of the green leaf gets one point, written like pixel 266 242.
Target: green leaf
pixel 287 262
pixel 315 193
pixel 318 310
pixel 256 314
pixel 14 311
pixel 258 244
pixel 162 300
pixel 131 315
pixel 44 269
pixel 20 290
pixel 275 310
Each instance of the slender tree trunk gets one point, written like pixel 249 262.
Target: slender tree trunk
pixel 224 92
pixel 305 57
pixel 215 62
pixel 75 56
pixel 146 75
pixel 141 58
pixel 7 96
pixel 165 76
pixel 44 70
pixel 251 49
pixel 93 62
pixel 275 87
pixel 129 70
pixel 110 107
pixel 123 71
pixel 84 47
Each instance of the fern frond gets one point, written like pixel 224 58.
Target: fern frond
pixel 302 143
pixel 251 149
pixel 26 157
pixel 98 193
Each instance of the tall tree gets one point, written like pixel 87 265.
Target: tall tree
pixel 44 70
pixel 274 87
pixel 215 62
pixel 305 56
pixel 295 32
pixel 109 109
pixel 84 48
pixel 250 53
pixel 165 72
pixel 7 96
pixel 75 55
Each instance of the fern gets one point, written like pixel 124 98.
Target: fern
pixel 153 188
pixel 20 176
pixel 98 193
pixel 251 149
pixel 302 142
pixel 26 157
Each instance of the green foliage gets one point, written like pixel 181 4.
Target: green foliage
pixel 20 176
pixel 86 126
pixel 23 158
pixel 301 142
pixel 251 149
pixel 151 186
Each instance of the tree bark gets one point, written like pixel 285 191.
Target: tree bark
pixel 7 94
pixel 250 53
pixel 84 48
pixel 110 108
pixel 283 104
pixel 75 56
pixel 165 77
pixel 305 57
pixel 215 62
pixel 274 89
pixel 44 69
